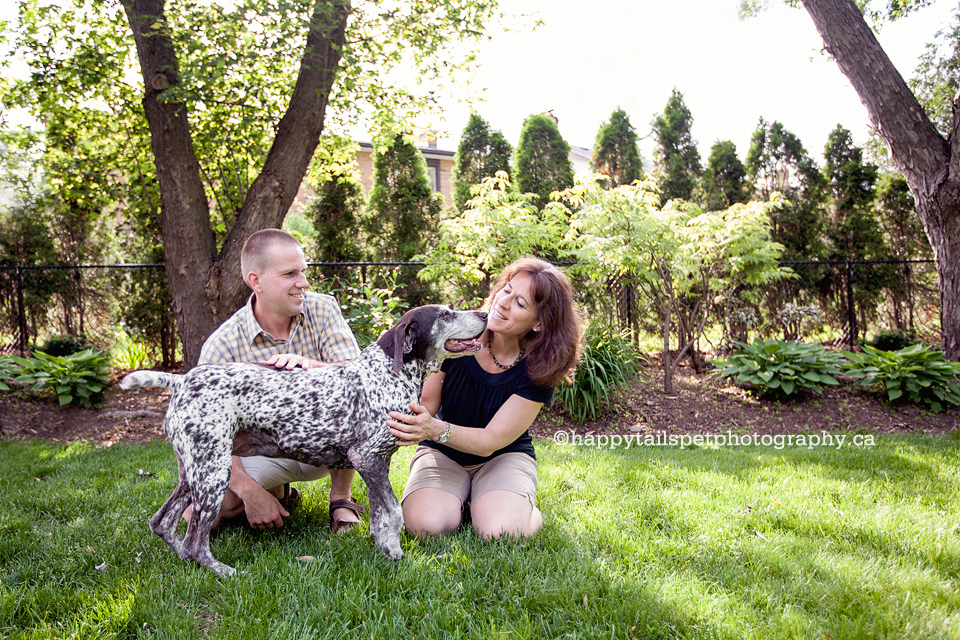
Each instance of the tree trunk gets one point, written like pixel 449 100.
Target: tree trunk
pixel 667 365
pixel 928 162
pixel 206 287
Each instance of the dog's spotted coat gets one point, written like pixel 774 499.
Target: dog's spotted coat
pixel 334 416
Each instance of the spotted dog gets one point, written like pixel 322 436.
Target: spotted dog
pixel 333 416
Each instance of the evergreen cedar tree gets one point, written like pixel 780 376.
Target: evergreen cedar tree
pixel 616 154
pixel 335 215
pixel 677 155
pixel 541 163
pixel 403 210
pixel 481 153
pixel 725 178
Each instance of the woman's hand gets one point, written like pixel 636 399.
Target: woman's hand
pixel 411 428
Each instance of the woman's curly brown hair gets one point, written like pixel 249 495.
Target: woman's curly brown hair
pixel 552 352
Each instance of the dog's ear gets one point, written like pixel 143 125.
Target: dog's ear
pixel 399 340
pixel 403 339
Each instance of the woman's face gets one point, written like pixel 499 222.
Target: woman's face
pixel 513 312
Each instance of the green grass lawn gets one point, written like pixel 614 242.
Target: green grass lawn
pixel 650 542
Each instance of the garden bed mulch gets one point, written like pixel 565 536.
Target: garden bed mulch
pixel 698 405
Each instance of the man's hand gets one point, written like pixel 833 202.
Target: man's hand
pixel 292 361
pixel 263 510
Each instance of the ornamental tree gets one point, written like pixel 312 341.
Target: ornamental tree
pixel 214 80
pixel 682 260
pixel 498 226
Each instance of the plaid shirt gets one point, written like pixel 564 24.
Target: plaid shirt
pixel 319 332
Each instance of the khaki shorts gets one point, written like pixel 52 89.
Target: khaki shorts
pixel 430 469
pixel 273 472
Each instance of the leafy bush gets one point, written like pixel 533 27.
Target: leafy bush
pixel 369 311
pixel 894 340
pixel 920 372
pixel 609 362
pixel 79 377
pixel 780 369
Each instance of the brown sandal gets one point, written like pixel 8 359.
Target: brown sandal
pixel 337 525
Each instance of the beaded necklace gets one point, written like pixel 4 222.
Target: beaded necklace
pixel 505 366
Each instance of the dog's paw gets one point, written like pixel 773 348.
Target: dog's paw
pixel 223 570
pixel 392 550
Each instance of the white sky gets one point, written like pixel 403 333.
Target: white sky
pixel 590 58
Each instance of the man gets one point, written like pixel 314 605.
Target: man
pixel 283 325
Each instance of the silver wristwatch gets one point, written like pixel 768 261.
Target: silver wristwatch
pixel 446 434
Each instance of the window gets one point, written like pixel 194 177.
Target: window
pixel 433 173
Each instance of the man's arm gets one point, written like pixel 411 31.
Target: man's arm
pixel 262 508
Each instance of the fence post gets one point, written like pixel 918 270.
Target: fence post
pixel 21 313
pixel 851 312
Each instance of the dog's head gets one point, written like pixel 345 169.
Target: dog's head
pixel 432 334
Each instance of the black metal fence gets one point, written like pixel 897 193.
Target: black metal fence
pixel 842 301
pixel 102 301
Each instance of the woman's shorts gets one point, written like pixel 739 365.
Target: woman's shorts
pixel 430 469
pixel 273 472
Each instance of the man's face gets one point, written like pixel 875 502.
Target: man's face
pixel 280 288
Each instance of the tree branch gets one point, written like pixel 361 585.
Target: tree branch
pixel 919 150
pixel 298 135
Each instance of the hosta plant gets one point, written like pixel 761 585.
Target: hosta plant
pixel 918 373
pixel 609 362
pixel 8 368
pixel 80 377
pixel 780 369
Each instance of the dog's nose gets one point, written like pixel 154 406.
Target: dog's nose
pixel 483 315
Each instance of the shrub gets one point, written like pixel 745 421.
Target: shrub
pixel 894 340
pixel 79 377
pixel 920 372
pixel 609 362
pixel 64 345
pixel 780 369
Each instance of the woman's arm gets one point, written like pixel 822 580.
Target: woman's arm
pixel 430 394
pixel 511 420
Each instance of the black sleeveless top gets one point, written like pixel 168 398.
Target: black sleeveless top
pixel 470 397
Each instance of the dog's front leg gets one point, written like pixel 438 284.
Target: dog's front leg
pixel 386 517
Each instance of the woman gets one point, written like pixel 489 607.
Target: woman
pixel 473 418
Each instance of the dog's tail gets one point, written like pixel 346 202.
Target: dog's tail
pixel 150 379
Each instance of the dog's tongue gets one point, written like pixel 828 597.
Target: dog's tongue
pixel 456 346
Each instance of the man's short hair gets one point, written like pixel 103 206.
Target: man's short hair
pixel 253 256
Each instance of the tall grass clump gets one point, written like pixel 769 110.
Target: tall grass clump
pixel 609 363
